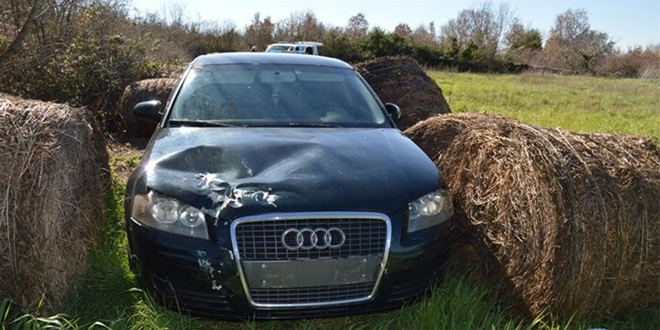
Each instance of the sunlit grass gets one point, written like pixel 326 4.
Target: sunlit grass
pixel 575 103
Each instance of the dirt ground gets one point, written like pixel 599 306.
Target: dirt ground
pixel 125 154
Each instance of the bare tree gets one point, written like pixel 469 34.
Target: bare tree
pixel 574 45
pixel 300 26
pixel 14 47
pixel 424 34
pixel 481 28
pixel 403 30
pixel 570 24
pixel 260 32
pixel 357 26
pixel 174 14
pixel 228 36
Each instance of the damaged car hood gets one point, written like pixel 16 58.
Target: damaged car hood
pixel 232 172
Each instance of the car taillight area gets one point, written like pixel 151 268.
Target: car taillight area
pixel 311 259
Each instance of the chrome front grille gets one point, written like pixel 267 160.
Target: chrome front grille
pixel 282 265
pixel 262 240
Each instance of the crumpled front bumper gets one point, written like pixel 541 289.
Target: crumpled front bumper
pixel 203 278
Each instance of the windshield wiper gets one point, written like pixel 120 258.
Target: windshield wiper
pixel 199 123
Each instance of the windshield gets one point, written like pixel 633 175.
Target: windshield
pixel 279 48
pixel 276 95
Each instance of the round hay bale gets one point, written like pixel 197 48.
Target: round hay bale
pixel 402 81
pixel 563 222
pixel 54 171
pixel 143 90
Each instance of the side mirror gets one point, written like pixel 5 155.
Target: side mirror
pixel 393 110
pixel 149 110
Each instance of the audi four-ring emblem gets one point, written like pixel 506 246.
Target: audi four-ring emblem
pixel 295 239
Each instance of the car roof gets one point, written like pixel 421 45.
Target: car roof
pixel 288 44
pixel 309 43
pixel 268 58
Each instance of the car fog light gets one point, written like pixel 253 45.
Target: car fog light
pixel 429 210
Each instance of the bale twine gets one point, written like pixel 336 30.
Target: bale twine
pixel 560 222
pixel 143 90
pixel 402 81
pixel 53 177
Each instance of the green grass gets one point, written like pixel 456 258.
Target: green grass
pixel 109 298
pixel 574 103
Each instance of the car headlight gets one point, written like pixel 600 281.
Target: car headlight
pixel 429 210
pixel 168 214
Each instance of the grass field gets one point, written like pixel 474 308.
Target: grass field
pixel 575 103
pixel 109 299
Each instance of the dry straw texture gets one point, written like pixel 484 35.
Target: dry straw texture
pixel 54 168
pixel 555 221
pixel 402 81
pixel 143 90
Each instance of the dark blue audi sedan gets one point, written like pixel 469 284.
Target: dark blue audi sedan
pixel 278 186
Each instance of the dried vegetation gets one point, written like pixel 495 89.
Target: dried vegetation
pixel 555 221
pixel 53 176
pixel 402 81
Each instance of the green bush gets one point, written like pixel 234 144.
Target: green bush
pixel 89 71
pixel 94 72
pixel 83 58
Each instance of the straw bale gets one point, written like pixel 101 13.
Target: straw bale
pixel 143 90
pixel 559 221
pixel 53 172
pixel 402 81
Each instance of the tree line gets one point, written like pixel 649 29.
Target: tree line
pixel 85 52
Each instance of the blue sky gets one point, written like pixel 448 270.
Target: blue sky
pixel 627 22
